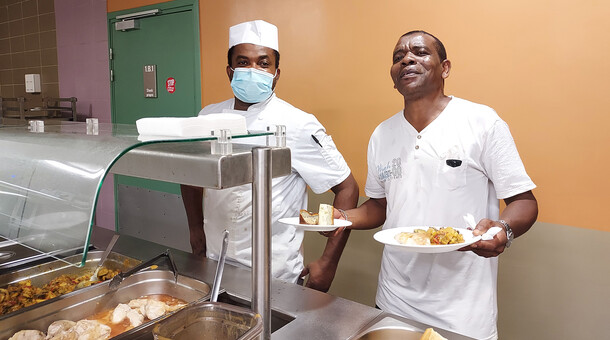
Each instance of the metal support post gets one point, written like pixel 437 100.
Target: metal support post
pixel 261 236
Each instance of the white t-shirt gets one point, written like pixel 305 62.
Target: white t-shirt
pixel 455 290
pixel 319 166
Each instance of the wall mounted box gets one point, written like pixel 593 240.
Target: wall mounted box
pixel 32 83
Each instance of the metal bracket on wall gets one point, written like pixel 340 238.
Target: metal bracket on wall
pixel 126 25
pixel 129 22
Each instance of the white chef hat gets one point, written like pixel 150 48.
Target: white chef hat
pixel 256 32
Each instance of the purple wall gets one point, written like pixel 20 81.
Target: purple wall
pixel 82 55
pixel 83 71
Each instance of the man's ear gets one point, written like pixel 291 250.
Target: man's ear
pixel 229 72
pixel 446 65
pixel 277 77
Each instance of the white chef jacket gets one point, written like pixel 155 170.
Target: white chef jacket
pixel 455 290
pixel 321 166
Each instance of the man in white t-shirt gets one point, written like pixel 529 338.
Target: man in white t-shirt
pixel 253 69
pixel 431 164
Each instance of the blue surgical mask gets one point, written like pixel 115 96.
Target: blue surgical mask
pixel 251 85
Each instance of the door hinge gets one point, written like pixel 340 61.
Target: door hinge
pixel 111 75
pixel 110 54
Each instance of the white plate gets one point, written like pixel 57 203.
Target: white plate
pixel 387 237
pixel 294 221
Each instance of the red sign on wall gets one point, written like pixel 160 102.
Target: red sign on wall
pixel 170 85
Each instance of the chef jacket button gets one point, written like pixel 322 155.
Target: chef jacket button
pixel 416 147
pixel 418 136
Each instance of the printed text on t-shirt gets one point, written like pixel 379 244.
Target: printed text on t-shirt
pixel 391 170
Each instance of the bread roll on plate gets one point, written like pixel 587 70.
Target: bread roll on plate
pixel 326 213
pixel 306 217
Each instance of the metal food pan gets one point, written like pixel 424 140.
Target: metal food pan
pixel 42 274
pixel 87 302
pixel 210 320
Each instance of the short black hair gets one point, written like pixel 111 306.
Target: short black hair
pixel 440 48
pixel 230 56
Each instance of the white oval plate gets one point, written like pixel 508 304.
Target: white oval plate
pixel 387 237
pixel 294 221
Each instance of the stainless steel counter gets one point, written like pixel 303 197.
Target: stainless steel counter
pixel 309 314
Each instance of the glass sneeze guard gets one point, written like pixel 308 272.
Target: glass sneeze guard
pixel 50 181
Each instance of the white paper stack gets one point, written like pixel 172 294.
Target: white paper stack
pixel 200 126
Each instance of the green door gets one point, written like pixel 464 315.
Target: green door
pixel 168 41
pixel 163 38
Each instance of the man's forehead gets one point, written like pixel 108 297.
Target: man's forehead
pixel 414 39
pixel 252 50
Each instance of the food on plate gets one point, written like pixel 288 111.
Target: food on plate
pixel 326 213
pixel 306 217
pixel 431 334
pixel 323 217
pixel 22 294
pixel 109 323
pixel 413 239
pixel 431 236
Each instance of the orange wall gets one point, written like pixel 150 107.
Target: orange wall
pixel 540 64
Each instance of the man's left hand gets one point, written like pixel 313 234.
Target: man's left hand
pixel 491 248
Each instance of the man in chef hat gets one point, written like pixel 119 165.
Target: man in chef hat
pixel 253 71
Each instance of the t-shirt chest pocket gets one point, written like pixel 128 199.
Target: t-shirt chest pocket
pixel 451 172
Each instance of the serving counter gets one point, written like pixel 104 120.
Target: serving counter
pixel 49 183
pixel 297 312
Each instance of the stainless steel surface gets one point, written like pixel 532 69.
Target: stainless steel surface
pixel 193 164
pixel 261 236
pixel 183 164
pixel 300 313
pixel 152 215
pixel 279 318
pixel 104 256
pixel 210 320
pixel 100 298
pixel 296 312
pixel 220 267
